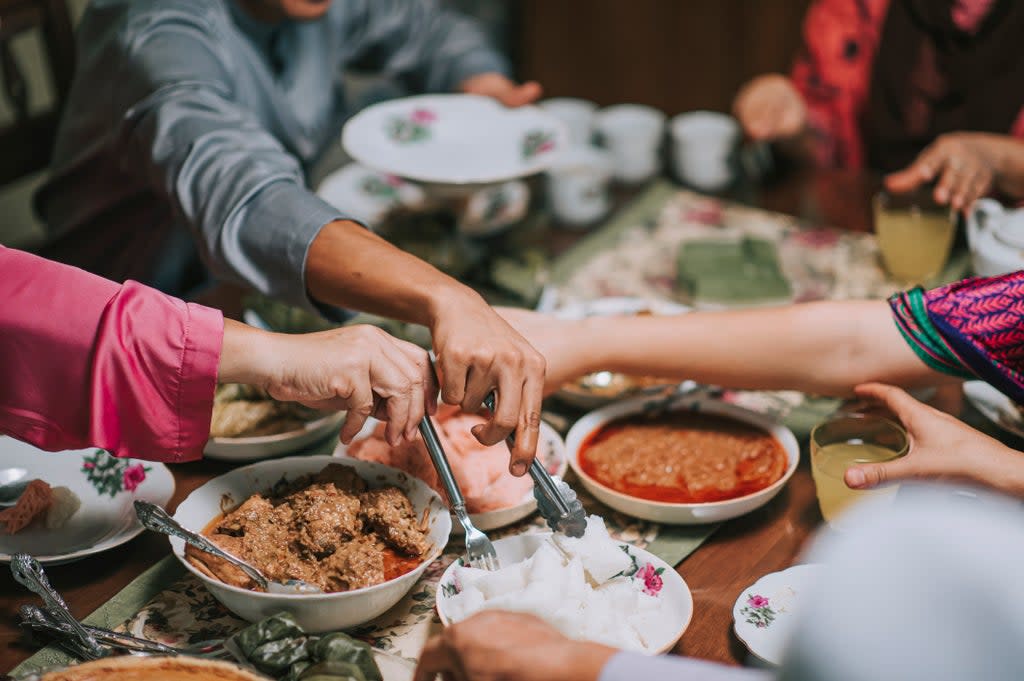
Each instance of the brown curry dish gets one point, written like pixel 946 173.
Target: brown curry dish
pixel 330 530
pixel 683 458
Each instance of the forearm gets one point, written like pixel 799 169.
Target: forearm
pixel 820 348
pixel 998 467
pixel 349 266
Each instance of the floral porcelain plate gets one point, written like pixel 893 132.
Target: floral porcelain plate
pixel 367 195
pixel 652 575
pixel 454 139
pixel 106 487
pixel 765 612
pixel 995 406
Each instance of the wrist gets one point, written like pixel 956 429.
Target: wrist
pixel 1003 471
pixel 247 355
pixel 448 299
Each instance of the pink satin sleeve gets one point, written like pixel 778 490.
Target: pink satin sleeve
pixel 86 362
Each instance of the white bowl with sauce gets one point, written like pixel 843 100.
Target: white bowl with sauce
pixel 314 612
pixel 679 513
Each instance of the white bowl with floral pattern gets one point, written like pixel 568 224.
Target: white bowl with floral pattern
pixel 454 139
pixel 658 579
pixel 766 612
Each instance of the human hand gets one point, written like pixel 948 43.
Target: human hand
pixel 502 89
pixel 479 353
pixel 562 342
pixel 504 646
pixel 964 163
pixel 770 108
pixel 357 368
pixel 941 448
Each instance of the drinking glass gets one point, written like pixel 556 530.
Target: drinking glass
pixel 846 440
pixel 914 234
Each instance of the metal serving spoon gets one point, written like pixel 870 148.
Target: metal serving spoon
pixel 157 519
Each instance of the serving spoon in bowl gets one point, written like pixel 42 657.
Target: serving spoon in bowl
pixel 157 519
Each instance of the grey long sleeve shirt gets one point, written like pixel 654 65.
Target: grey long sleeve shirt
pixel 190 115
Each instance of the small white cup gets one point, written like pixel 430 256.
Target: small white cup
pixel 633 134
pixel 577 114
pixel 578 186
pixel 702 143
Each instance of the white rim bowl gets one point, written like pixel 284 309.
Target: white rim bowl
pixel 679 514
pixel 313 612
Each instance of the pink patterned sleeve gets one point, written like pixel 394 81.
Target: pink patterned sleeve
pixel 87 362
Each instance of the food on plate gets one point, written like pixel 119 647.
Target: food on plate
pixel 54 506
pixel 136 668
pixel 482 472
pixel 330 530
pixel 248 411
pixel 612 385
pixel 589 588
pixel 683 458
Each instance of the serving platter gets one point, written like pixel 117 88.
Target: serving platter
pixel 454 139
pixel 550 449
pixel 106 487
pixel 367 195
pixel 259 447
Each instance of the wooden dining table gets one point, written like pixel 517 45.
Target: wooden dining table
pixel 735 556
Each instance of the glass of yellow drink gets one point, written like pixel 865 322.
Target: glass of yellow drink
pixel 914 234
pixel 846 440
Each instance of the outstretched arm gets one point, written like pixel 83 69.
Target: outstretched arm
pixel 822 348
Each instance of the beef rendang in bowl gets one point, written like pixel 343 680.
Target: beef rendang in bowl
pixel 361 531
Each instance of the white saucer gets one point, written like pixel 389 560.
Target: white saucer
pixel 995 406
pixel 767 610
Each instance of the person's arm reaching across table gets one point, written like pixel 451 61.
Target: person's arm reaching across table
pixel 88 362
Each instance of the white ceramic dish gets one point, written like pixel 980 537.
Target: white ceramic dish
pixel 318 612
pixel 106 517
pixel 995 406
pixel 368 195
pixel 454 139
pixel 550 449
pixel 577 114
pixel 518 548
pixel 259 447
pixel 766 611
pixel 577 393
pixel 679 514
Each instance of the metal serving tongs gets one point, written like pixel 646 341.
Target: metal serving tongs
pixel 480 551
pixel 556 501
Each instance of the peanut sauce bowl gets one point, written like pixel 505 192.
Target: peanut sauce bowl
pixel 319 612
pixel 669 512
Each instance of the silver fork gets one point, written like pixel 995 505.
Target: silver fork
pixel 480 551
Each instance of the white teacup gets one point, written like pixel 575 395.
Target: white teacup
pixel 577 114
pixel 633 134
pixel 578 186
pixel 702 144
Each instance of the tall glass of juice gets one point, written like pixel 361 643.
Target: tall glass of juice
pixel 846 440
pixel 914 235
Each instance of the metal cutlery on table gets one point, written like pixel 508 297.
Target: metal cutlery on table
pixel 84 641
pixel 480 551
pixel 556 501
pixel 157 519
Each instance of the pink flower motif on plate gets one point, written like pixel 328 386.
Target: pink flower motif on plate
pixel 757 601
pixel 134 476
pixel 651 577
pixel 422 116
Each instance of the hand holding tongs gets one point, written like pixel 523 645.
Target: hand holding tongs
pixel 556 501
